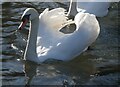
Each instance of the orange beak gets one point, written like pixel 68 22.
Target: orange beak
pixel 22 25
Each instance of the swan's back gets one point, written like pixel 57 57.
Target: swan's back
pixel 72 45
pixel 50 23
pixel 99 9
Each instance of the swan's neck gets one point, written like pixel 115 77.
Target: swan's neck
pixel 30 51
pixel 72 8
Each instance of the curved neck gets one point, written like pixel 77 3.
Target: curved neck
pixel 30 51
pixel 72 8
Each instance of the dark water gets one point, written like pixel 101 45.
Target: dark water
pixel 97 66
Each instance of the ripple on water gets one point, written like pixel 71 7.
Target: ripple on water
pixel 109 79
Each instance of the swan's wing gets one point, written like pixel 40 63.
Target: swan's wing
pixel 87 27
pixel 74 44
pixel 49 25
pixel 54 18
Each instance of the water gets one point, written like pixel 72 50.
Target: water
pixel 97 66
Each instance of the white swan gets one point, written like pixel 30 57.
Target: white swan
pixel 95 7
pixel 46 41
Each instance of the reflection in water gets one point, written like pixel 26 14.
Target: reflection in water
pixel 30 71
pixel 49 71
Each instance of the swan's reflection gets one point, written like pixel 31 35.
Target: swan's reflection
pixel 30 71
pixel 51 72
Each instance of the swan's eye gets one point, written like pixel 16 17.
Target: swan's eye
pixel 26 17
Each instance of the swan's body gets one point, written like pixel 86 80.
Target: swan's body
pixel 45 41
pixel 95 7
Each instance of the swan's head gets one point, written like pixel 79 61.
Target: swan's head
pixel 28 15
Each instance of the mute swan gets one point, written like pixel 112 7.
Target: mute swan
pixel 45 40
pixel 95 7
